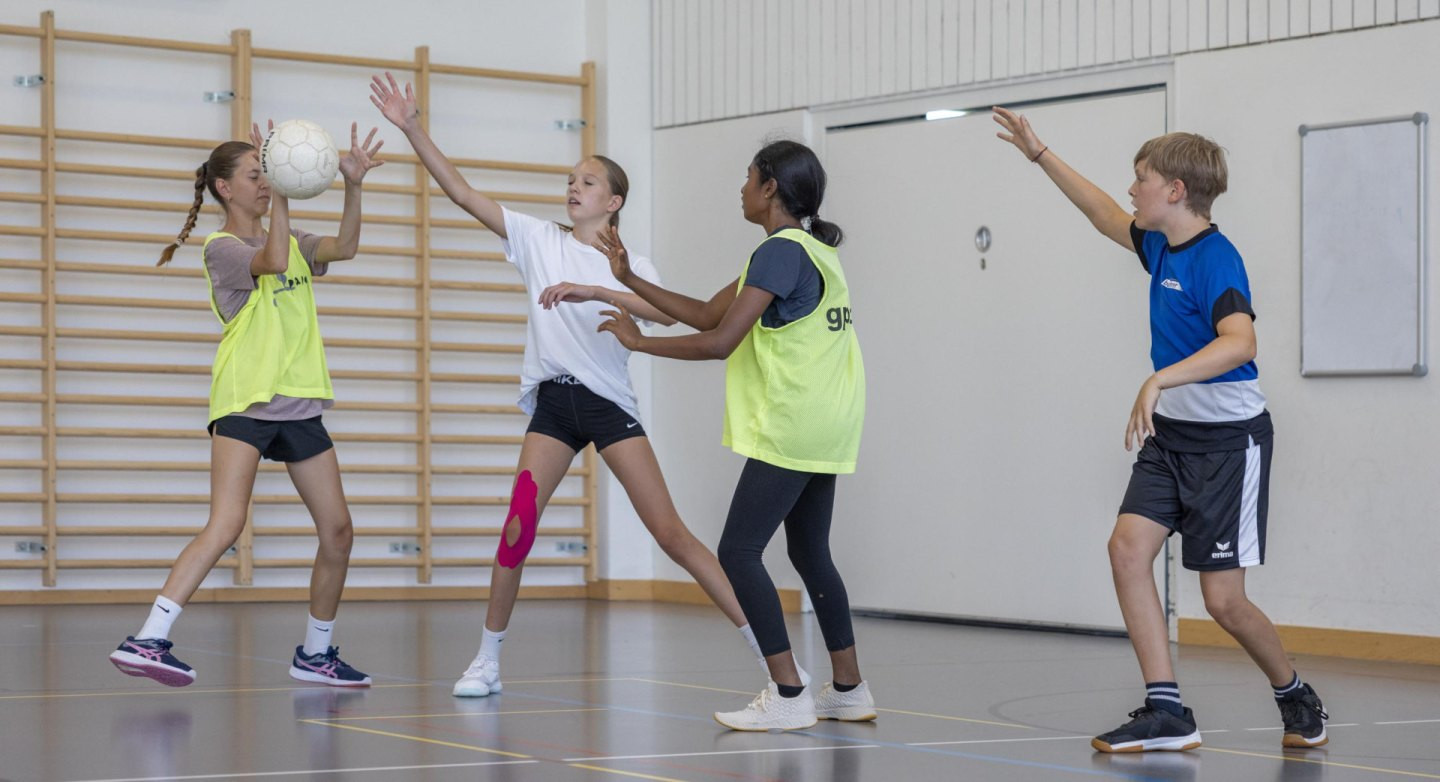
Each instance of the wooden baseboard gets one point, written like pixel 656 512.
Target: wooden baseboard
pixel 1354 644
pixel 683 592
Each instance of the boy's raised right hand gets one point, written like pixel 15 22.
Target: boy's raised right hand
pixel 1017 131
pixel 399 108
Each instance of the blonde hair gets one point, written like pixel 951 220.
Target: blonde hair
pixel 1193 159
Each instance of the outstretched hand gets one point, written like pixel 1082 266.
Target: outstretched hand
pixel 619 323
pixel 607 241
pixel 399 108
pixel 569 292
pixel 257 140
pixel 362 156
pixel 1017 131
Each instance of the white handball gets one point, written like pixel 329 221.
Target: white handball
pixel 299 159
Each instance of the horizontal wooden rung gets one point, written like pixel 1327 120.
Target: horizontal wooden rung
pixel 137 564
pixel 490 561
pixel 22 464
pixel 9 396
pixel 22 496
pixel 19 531
pixel 456 469
pixel 271 467
pixel 204 499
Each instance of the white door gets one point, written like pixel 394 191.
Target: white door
pixel 992 463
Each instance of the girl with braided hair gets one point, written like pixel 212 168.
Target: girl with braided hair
pixel 268 387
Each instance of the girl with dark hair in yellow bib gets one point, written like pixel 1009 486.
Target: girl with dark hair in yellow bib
pixel 268 387
pixel 794 405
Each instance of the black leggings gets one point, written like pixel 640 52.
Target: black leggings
pixel 765 496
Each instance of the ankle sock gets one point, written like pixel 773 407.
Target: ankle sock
pixel 318 636
pixel 1165 695
pixel 163 614
pixel 1284 690
pixel 786 691
pixel 838 687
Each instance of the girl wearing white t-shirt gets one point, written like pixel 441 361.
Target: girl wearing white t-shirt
pixel 575 382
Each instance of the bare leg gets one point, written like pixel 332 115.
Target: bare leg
pixel 232 478
pixel 317 479
pixel 1225 599
pixel 547 459
pixel 1134 545
pixel 633 462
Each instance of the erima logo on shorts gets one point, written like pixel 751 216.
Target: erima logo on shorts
pixel 1224 552
pixel 1172 284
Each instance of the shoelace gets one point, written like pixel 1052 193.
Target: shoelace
pixel 761 702
pixel 1290 709
pixel 477 667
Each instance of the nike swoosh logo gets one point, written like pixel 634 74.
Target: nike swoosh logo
pixel 321 629
pixel 163 608
pixel 632 426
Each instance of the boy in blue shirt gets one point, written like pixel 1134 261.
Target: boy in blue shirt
pixel 1204 464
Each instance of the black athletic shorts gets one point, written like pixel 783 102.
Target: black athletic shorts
pixel 1216 501
pixel 573 414
pixel 278 441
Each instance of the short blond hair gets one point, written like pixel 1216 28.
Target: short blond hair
pixel 1193 159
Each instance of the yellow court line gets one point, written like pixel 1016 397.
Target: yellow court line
pixel 183 691
pixel 420 739
pixel 690 686
pixel 957 719
pixel 635 774
pixel 448 714
pixel 1324 763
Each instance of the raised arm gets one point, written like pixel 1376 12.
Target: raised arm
pixel 1108 217
pixel 353 167
pixel 697 314
pixel 401 110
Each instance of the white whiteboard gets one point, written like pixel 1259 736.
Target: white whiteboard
pixel 1362 247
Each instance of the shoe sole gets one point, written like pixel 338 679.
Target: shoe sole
pixel 854 714
pixel 759 729
pixel 475 693
pixel 316 678
pixel 1296 741
pixel 135 665
pixel 1177 744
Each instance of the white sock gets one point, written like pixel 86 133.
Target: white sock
pixel 750 639
pixel 318 636
pixel 755 647
pixel 490 643
pixel 162 614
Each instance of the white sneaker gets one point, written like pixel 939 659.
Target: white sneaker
pixel 854 706
pixel 769 711
pixel 481 678
pixel 804 677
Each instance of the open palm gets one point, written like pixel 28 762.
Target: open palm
pixel 397 106
pixel 362 156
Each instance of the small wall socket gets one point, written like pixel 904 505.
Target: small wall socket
pixel 29 547
pixel 404 547
pixel 569 547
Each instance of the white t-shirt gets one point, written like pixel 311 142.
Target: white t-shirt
pixel 563 340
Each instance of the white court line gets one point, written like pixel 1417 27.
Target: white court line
pixel 1405 722
pixel 1220 730
pixel 726 752
pixel 253 774
pixel 991 741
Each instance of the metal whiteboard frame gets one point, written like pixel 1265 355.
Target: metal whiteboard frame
pixel 1420 119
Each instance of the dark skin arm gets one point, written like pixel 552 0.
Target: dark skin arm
pixel 709 345
pixel 697 314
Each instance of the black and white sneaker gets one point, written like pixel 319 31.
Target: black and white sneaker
pixel 1151 728
pixel 151 657
pixel 1304 717
pixel 326 668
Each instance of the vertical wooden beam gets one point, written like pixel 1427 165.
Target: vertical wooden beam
pixel 240 113
pixel 587 109
pixel 422 326
pixel 587 148
pixel 47 284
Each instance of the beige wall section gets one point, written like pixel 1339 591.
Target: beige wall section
pixel 702 240
pixel 1354 497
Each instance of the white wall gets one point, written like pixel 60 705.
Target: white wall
pixel 1353 493
pixel 718 59
pixel 117 89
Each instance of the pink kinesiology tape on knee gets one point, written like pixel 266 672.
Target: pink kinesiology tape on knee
pixel 522 508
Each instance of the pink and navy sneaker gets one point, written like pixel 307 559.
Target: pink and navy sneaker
pixel 151 657
pixel 326 668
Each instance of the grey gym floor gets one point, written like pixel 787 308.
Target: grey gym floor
pixel 609 691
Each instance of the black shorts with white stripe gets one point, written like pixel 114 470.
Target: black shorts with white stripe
pixel 1216 501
